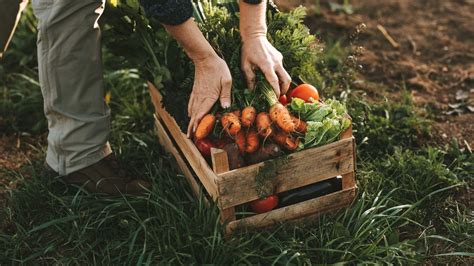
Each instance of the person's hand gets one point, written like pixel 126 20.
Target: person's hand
pixel 257 52
pixel 212 81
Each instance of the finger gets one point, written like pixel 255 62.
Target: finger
pixel 190 128
pixel 190 105
pixel 285 79
pixel 249 76
pixel 226 86
pixel 272 78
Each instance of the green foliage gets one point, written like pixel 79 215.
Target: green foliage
pixel 414 174
pixel 382 126
pixel 460 225
pixel 21 104
pixel 299 48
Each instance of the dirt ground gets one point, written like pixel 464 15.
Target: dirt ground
pixel 426 45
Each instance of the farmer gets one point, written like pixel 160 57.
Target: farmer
pixel 70 72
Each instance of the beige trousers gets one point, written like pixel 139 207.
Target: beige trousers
pixel 70 72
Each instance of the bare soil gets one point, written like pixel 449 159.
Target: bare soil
pixel 431 53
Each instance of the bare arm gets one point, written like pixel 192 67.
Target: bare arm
pixel 257 52
pixel 212 79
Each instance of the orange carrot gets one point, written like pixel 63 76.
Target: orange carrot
pixel 231 123
pixel 205 126
pixel 285 140
pixel 281 116
pixel 252 141
pixel 300 125
pixel 241 141
pixel 264 124
pixel 248 116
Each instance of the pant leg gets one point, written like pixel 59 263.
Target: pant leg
pixel 70 71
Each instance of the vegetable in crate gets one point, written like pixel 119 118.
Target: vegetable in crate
pixel 231 123
pixel 306 92
pixel 285 140
pixel 325 122
pixel 264 125
pixel 206 125
pixel 278 112
pixel 252 140
pixel 248 116
pixel 265 152
pixel 241 141
pixel 264 205
pixel 204 146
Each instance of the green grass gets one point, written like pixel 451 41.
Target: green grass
pixel 407 210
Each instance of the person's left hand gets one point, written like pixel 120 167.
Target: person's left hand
pixel 258 52
pixel 212 81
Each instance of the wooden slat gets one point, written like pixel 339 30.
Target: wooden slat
pixel 348 180
pixel 168 145
pixel 220 161
pixel 227 215
pixel 205 174
pixel 346 134
pixel 307 208
pixel 306 167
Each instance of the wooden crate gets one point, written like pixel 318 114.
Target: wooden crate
pixel 232 188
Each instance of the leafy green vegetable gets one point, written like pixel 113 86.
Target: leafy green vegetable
pixel 325 121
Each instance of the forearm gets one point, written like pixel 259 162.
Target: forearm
pixel 252 20
pixel 191 39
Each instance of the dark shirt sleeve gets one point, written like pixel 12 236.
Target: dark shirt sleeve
pixel 173 12
pixel 255 2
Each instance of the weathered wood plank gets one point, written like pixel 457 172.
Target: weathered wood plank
pixel 346 134
pixel 307 208
pixel 168 145
pixel 205 174
pixel 220 161
pixel 348 180
pixel 306 167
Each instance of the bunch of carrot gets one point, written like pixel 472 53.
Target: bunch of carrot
pixel 250 130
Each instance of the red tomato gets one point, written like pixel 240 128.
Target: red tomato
pixel 305 92
pixel 283 100
pixel 264 205
pixel 204 146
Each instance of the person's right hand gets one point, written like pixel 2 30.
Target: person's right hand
pixel 212 81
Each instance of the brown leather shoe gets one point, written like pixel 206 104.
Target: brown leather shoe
pixel 105 176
